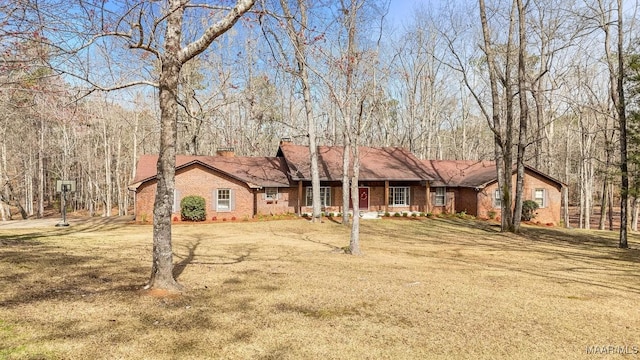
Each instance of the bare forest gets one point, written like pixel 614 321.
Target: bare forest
pixel 536 82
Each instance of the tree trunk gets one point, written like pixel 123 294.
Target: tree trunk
pixel 354 241
pixel 604 202
pixel 610 202
pixel 41 172
pixel 634 213
pixel 345 179
pixel 162 268
pixel 622 119
pixel 299 40
pixel 524 118
pixel 171 63
pixel 503 138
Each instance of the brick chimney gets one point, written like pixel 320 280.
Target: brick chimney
pixel 225 152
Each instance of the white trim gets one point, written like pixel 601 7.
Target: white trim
pixel 275 196
pixel 443 196
pixel 324 201
pixel 542 200
pixel 224 208
pixel 392 196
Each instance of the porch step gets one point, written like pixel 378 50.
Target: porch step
pixel 369 215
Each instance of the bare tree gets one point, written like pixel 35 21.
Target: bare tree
pixel 300 37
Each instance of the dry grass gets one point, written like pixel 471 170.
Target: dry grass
pixel 281 289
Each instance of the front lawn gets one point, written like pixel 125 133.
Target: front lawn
pixel 431 288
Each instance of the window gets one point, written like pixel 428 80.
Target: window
pixel 271 193
pixel 398 196
pixel 325 196
pixel 224 200
pixel 440 196
pixel 539 196
pixel 497 198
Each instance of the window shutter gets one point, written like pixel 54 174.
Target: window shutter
pixel 232 200
pixel 544 198
pixel 408 195
pixel 264 195
pixel 278 195
pixel 214 201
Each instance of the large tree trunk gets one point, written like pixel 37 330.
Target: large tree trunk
pixel 524 118
pixel 171 63
pixel 162 268
pixel 503 138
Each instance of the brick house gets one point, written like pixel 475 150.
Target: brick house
pixel 472 187
pixel 233 187
pixel 391 180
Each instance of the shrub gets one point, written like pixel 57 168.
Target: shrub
pixel 528 210
pixel 404 214
pixel 492 214
pixel 192 208
pixel 386 214
pixel 414 215
pixel 397 215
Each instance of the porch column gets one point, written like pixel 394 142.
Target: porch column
pixel 386 196
pixel 427 203
pixel 300 197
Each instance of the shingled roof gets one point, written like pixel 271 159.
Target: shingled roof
pixel 256 172
pixel 470 173
pixel 376 164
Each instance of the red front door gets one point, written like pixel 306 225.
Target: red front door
pixel 363 195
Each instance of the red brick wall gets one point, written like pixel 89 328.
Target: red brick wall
pixel 145 197
pixel 451 200
pixel 466 200
pixel 197 180
pixel 547 215
pixel 285 203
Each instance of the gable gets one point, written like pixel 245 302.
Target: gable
pixel 254 172
pixel 475 174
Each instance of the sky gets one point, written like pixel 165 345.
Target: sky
pixel 400 10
